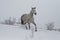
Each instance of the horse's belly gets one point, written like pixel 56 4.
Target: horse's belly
pixel 31 20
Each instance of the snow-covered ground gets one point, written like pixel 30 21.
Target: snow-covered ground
pixel 9 32
pixel 47 11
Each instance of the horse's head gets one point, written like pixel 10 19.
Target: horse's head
pixel 34 10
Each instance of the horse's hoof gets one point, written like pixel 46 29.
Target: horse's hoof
pixel 35 30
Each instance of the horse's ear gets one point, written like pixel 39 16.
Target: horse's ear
pixel 33 7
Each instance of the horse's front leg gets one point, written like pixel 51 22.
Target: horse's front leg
pixel 29 25
pixel 35 26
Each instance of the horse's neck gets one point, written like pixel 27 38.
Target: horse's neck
pixel 31 14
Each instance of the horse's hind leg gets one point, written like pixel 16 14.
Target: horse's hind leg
pixel 26 28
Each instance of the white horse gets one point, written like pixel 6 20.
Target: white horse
pixel 28 18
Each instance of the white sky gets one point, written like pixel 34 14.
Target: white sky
pixel 47 10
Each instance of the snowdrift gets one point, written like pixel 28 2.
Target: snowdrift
pixel 8 32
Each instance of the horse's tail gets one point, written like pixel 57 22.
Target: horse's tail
pixel 22 21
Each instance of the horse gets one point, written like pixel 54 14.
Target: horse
pixel 28 18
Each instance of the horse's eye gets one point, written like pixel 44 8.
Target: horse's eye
pixel 35 13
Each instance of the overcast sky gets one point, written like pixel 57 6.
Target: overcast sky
pixel 47 10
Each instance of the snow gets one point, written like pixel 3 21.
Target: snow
pixel 47 11
pixel 9 32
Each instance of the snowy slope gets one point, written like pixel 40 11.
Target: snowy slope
pixel 8 32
